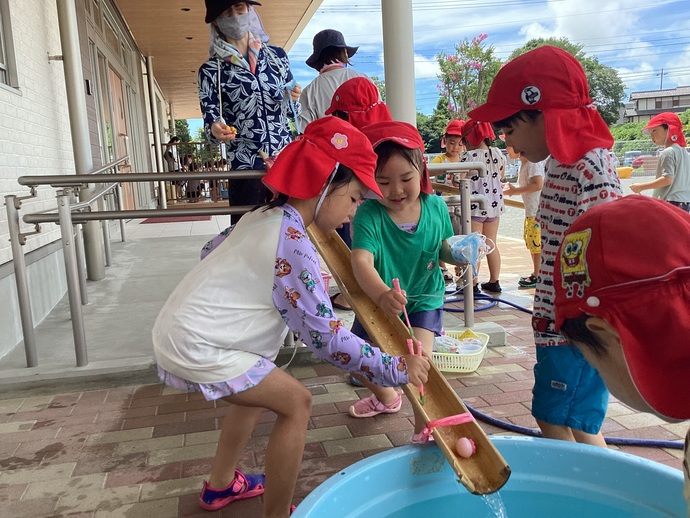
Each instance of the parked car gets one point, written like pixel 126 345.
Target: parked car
pixel 629 156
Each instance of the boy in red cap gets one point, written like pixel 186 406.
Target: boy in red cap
pixel 541 102
pixel 452 143
pixel 672 181
pixel 221 328
pixel 627 306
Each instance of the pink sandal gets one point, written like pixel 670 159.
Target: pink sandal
pixel 371 406
pixel 243 486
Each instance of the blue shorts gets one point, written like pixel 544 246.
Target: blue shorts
pixel 431 320
pixel 567 390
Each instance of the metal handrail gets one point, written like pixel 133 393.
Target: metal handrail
pixel 76 180
pixel 73 249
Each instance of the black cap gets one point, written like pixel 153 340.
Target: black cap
pixel 328 38
pixel 215 7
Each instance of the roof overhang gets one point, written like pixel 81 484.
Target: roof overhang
pixel 173 32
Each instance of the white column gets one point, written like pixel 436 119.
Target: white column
pixel 398 57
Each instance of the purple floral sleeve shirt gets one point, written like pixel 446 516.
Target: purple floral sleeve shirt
pixel 302 299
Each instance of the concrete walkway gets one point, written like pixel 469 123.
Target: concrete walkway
pixel 109 440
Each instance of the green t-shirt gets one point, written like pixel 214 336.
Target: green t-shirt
pixel 411 257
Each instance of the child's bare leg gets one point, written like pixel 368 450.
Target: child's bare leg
pixel 385 395
pixel 236 430
pixel 588 438
pixel 291 401
pixel 427 338
pixel 536 263
pixel 565 433
pixel 494 258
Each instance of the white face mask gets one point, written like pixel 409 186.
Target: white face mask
pixel 234 27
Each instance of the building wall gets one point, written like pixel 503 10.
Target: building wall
pixel 35 139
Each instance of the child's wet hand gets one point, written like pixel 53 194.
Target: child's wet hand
pixel 509 189
pixel 392 302
pixel 417 369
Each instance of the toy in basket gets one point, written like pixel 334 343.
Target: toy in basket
pixel 458 351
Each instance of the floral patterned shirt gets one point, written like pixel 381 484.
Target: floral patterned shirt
pixel 301 297
pixel 257 105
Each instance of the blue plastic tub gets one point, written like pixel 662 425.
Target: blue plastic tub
pixel 550 478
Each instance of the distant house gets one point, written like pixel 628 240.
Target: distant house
pixel 644 105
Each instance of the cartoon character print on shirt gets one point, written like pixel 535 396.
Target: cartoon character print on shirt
pixel 293 233
pixel 316 339
pixel 341 357
pixel 292 296
pixel 282 267
pixel 323 310
pixel 308 279
pixel 367 351
pixel 574 263
pixel 336 325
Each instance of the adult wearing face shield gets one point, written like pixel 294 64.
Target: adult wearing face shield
pixel 247 94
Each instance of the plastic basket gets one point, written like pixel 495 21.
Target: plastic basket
pixel 326 278
pixel 461 362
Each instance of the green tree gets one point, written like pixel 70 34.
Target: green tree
pixel 605 86
pixel 381 86
pixel 182 130
pixel 431 127
pixel 467 74
pixel 628 131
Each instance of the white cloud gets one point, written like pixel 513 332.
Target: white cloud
pixel 425 68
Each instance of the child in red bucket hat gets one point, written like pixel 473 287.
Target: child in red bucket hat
pixel 221 328
pixel 627 307
pixel 403 235
pixel 451 141
pixel 357 101
pixel 541 102
pixel 672 181
pixel 478 138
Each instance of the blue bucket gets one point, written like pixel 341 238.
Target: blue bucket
pixel 549 478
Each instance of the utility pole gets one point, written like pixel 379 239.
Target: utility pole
pixel 661 80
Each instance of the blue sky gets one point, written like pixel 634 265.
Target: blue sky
pixel 638 38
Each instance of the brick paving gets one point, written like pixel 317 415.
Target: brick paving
pixel 143 450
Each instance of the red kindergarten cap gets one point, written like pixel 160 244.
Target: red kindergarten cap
pixel 359 98
pixel 675 127
pixel 455 127
pixel 303 167
pixel 552 81
pixel 404 134
pixel 628 262
pixel 475 132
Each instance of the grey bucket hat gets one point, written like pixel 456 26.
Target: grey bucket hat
pixel 328 38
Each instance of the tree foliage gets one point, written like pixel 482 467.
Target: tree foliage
pixel 381 86
pixel 432 127
pixel 182 130
pixel 605 86
pixel 466 75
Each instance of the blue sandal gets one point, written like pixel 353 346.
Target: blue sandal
pixel 243 486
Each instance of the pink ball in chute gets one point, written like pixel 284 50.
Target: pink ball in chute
pixel 465 447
